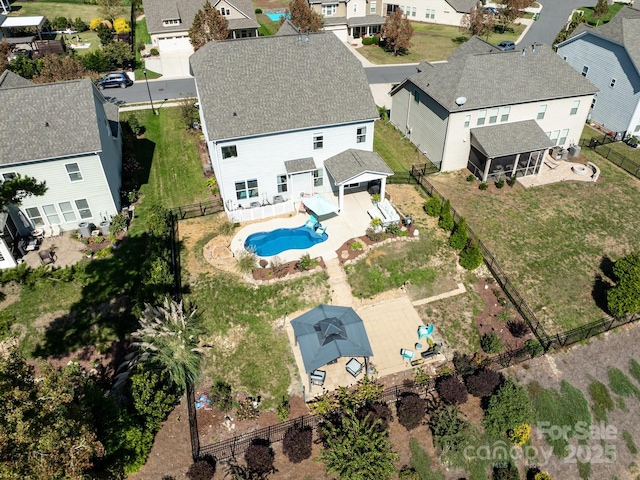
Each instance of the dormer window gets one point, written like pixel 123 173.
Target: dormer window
pixel 170 22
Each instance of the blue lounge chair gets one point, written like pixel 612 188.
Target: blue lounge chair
pixel 425 331
pixel 408 354
pixel 311 223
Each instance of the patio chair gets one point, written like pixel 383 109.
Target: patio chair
pixel 318 377
pixel 431 352
pixel 425 331
pixel 47 257
pixel 408 354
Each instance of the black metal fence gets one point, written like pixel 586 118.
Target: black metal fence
pixel 197 210
pixel 599 145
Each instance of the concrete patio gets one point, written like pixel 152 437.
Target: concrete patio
pixel 556 171
pixel 68 251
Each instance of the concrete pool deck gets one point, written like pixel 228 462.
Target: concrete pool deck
pixel 352 222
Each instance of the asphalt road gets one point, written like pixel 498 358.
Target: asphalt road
pixel 160 90
pixel 553 17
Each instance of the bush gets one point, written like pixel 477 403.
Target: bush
pixel 220 395
pixel 508 408
pixel 306 262
pixel 471 178
pixel 500 183
pixel 483 383
pixel 120 25
pixel 460 235
pixel 260 457
pixel 258 11
pixel 154 52
pixel 520 435
pixel 483 186
pixel 411 410
pixel 446 217
pixel 356 246
pixel 79 25
pixel 96 61
pixel 534 348
pixel 296 444
pixel 283 410
pixel 95 22
pixel 450 432
pixel 518 328
pixel 376 39
pixel 470 256
pixel 433 207
pixel 104 34
pixel 367 41
pixel 452 390
pixel 60 23
pixel 373 235
pixel 393 229
pixel 201 470
pixel 491 343
pixel 7 319
pixel 246 261
pixel 512 181
pixel 506 471
pixel 375 412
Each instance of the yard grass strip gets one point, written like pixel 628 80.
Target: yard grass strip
pixel 621 384
pixel 584 470
pixel 628 441
pixel 634 369
pixel 591 19
pixel 421 462
pixel 560 412
pixel 603 403
pixel 56 9
pixel 397 152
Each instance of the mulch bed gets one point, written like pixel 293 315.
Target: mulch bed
pixel 346 253
pixel 284 270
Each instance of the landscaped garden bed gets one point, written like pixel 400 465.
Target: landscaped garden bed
pixel 268 272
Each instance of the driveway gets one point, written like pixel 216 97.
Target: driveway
pixel 170 64
pixel 553 17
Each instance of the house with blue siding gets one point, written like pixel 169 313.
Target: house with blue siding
pixel 272 116
pixel 65 134
pixel 609 57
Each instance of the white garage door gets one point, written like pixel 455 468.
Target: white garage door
pixel 174 44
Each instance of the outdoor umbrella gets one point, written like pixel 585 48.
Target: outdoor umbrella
pixel 320 205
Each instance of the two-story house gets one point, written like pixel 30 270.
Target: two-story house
pixel 285 116
pixel 445 12
pixel 493 112
pixel 609 56
pixel 169 21
pixel 66 134
pixel 350 18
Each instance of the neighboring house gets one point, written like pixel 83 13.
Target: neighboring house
pixel 169 21
pixel 68 135
pixel 445 12
pixel 350 18
pixel 609 56
pixel 490 111
pixel 273 122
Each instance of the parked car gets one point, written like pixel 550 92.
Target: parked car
pixel 492 10
pixel 114 79
pixel 506 45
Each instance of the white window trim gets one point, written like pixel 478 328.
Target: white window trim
pixel 75 204
pixel 372 7
pixel 73 212
pixel 280 184
pixel 482 117
pixel 467 121
pixel 361 135
pixel 329 9
pixel 542 111
pixel 494 118
pixel 79 172
pixel 222 149
pixel 11 176
pixel 506 111
pixel 574 107
pixel 585 70
pixel 318 141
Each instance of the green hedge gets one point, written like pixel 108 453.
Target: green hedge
pixel 375 40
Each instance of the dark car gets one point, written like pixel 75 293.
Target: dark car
pixel 115 79
pixel 492 10
pixel 506 45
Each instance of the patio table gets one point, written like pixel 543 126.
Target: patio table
pixel 354 367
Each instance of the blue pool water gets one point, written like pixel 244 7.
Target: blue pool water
pixel 277 241
pixel 275 17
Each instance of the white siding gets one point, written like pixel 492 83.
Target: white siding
pixel 615 107
pixel 111 155
pixel 445 14
pixel 263 157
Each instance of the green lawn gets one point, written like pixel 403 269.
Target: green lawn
pixel 142 34
pixel 632 155
pixel 593 20
pixel 555 241
pixel 400 154
pixel 431 42
pixel 54 9
pixel 267 26
pixel 169 153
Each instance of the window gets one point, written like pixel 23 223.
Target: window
pixel 585 70
pixel 372 8
pixel 391 8
pixel 637 129
pixel 574 107
pixel 318 179
pixel 593 102
pixel 252 187
pixel 613 83
pixel 482 114
pixel 431 14
pixel 361 135
pixel 173 21
pixel 505 114
pixel 467 121
pixel 222 11
pixel 83 208
pixel 8 176
pixel 229 152
pixel 329 10
pixel 248 189
pixel 318 141
pixel 355 8
pixel 493 116
pixel 67 211
pixel 282 183
pixel 52 215
pixel 541 111
pixel 74 172
pixel 413 11
pixel 352 185
pixel 563 136
pixel 416 96
pixel 241 190
pixel 34 215
pixel 554 136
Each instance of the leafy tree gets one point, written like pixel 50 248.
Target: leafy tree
pixel 512 9
pixel 153 397
pixel 508 408
pixel 376 411
pixel 411 410
pixel 79 25
pixel 601 9
pixel 296 444
pixel 433 207
pixel 110 9
pixel 452 390
pixel 259 457
pixel 446 217
pixel 208 25
pixel 471 256
pixel 448 429
pixel 491 343
pixel 96 61
pixel 118 53
pixel 59 68
pixel 303 16
pixel 483 383
pixel 201 470
pixel 5 50
pixel 167 341
pixel 46 429
pixel 105 34
pixel 624 297
pixel 17 189
pixel 23 66
pixel 397 32
pixel 476 22
pixel 120 25
pixel 460 235
pixel 356 449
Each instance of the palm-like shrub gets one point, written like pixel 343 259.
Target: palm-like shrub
pixel 167 340
pixel 411 410
pixel 451 390
pixel 518 328
pixel 296 444
pixel 246 261
pixel 483 383
pixel 259 457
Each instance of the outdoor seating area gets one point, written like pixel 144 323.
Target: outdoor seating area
pixel 385 212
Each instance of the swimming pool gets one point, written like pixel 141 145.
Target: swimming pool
pixel 275 17
pixel 277 241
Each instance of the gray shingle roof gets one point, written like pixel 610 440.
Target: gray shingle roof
pixel 156 11
pixel 261 85
pixel 462 6
pixel 474 46
pixel 9 79
pixel 500 78
pixel 511 138
pixel 351 163
pixel 300 165
pixel 329 21
pixel 287 28
pixel 366 20
pixel 69 110
pixel 624 29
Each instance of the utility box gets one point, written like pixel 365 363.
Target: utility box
pixel 84 229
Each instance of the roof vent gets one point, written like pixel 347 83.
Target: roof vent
pixel 46 124
pixel 307 39
pixel 533 48
pixel 235 114
pixel 461 101
pixel 299 35
pixel 524 52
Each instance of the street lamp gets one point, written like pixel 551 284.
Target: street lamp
pixel 144 72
